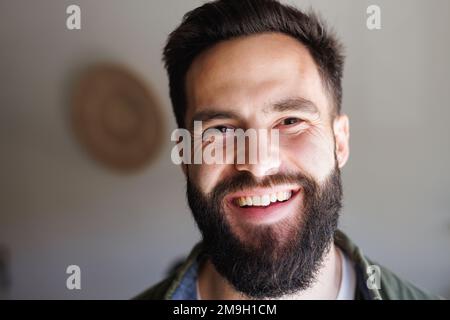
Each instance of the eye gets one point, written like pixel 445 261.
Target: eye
pixel 213 133
pixel 224 129
pixel 292 125
pixel 290 121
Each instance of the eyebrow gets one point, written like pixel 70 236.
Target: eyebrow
pixel 290 104
pixel 293 104
pixel 212 114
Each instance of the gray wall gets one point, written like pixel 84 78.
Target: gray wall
pixel 58 207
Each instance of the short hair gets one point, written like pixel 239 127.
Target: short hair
pixel 222 20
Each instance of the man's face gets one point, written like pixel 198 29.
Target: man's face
pixel 266 81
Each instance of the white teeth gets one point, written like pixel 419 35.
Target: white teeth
pixel 256 200
pixel 264 200
pixel 288 195
pixel 282 196
pixel 273 197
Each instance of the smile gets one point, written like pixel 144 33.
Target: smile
pixel 263 200
pixel 265 205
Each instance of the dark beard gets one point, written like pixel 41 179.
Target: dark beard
pixel 265 266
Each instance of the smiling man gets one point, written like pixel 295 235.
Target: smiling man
pixel 269 228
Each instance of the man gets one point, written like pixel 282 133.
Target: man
pixel 269 227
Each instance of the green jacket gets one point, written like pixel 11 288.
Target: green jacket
pixel 391 286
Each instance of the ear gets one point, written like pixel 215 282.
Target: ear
pixel 341 129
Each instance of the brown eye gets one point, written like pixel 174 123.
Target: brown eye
pixel 290 121
pixel 225 129
pixel 217 132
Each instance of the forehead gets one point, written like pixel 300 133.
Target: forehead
pixel 247 73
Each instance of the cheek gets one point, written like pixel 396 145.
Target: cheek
pixel 205 176
pixel 310 152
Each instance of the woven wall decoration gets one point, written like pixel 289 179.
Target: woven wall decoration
pixel 117 118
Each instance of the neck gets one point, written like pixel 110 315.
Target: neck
pixel 212 286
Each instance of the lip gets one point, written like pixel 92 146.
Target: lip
pixel 274 212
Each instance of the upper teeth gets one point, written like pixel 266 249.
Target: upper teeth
pixel 264 200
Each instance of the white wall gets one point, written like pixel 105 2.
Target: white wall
pixel 58 207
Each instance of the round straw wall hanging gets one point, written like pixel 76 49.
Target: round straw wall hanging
pixel 117 118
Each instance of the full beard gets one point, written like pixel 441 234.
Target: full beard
pixel 271 261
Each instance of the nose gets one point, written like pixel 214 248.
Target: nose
pixel 261 161
pixel 259 170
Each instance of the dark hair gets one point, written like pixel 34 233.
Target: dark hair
pixel 221 20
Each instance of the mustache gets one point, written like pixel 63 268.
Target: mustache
pixel 246 180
